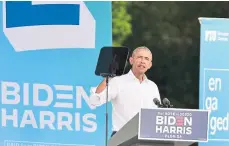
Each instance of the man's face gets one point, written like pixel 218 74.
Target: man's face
pixel 141 61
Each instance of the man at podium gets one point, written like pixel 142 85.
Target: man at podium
pixel 130 92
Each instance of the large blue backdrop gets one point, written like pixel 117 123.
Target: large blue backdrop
pixel 48 55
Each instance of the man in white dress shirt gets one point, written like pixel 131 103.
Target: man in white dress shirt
pixel 130 92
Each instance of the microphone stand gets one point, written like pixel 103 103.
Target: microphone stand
pixel 168 106
pixel 160 105
pixel 107 76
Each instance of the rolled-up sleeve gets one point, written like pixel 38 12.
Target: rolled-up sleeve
pixel 98 99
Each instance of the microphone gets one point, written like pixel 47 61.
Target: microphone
pixel 157 102
pixel 166 103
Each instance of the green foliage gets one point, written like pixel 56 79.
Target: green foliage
pixel 120 22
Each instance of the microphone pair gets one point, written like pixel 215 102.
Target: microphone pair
pixel 165 103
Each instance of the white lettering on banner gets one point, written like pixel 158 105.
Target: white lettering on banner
pixel 216 123
pixel 213 35
pixel 169 125
pixel 57 97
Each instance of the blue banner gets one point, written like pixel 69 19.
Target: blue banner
pixel 48 55
pixel 214 77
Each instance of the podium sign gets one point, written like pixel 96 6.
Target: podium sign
pixel 173 125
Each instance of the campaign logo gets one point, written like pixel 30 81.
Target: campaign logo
pixel 40 25
pixel 212 36
pixel 173 125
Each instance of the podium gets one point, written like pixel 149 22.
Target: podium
pixel 163 127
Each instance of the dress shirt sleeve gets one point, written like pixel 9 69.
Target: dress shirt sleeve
pixel 99 99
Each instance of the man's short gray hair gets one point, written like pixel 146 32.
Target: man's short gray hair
pixel 140 48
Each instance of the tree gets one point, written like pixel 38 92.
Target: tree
pixel 121 26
